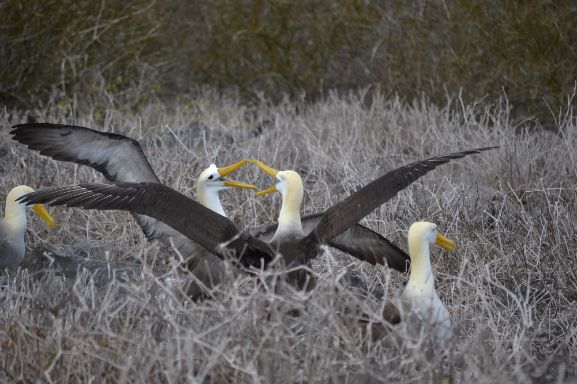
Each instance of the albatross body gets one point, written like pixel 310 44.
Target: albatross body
pixel 13 227
pixel 289 230
pixel 423 315
pixel 121 159
pixel 222 237
pixel 419 298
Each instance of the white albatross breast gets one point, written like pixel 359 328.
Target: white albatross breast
pixel 13 227
pixel 422 307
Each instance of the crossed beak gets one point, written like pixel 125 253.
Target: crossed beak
pixel 269 171
pixel 225 171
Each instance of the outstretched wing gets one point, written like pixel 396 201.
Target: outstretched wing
pixel 358 241
pixel 117 157
pixel 212 231
pixel 352 209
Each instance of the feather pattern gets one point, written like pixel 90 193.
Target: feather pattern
pixel 214 232
pixel 359 204
pixel 358 241
pixel 219 235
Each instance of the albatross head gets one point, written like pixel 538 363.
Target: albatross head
pixel 212 180
pixel 423 232
pixel 15 212
pixel 290 185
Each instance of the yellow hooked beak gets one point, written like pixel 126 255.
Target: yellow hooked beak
pixel 237 184
pixel 224 171
pixel 44 215
pixel 445 243
pixel 270 171
pixel 267 191
pixel 231 168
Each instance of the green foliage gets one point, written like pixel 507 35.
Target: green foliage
pixel 144 49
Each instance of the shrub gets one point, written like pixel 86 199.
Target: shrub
pixel 145 49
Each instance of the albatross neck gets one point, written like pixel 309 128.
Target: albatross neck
pixel 289 218
pixel 15 214
pixel 211 200
pixel 421 280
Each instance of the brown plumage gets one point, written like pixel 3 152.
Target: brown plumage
pixel 121 159
pixel 218 234
pixel 358 241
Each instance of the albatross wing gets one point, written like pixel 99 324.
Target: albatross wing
pixel 349 211
pixel 358 241
pixel 212 231
pixel 117 157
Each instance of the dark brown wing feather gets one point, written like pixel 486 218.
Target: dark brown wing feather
pixel 192 219
pixel 117 157
pixel 352 209
pixel 369 246
pixel 358 241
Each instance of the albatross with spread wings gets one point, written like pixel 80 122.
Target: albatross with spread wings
pixel 222 237
pixel 121 159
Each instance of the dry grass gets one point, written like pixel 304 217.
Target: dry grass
pixel 511 288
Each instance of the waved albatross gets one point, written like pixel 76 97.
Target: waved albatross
pixel 221 236
pixel 423 315
pixel 121 159
pixel 13 227
pixel 419 298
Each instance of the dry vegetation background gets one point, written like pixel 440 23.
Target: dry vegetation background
pixel 510 288
pixel 350 90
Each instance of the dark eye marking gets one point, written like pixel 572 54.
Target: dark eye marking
pixel 210 177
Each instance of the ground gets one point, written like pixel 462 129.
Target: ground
pixel 510 288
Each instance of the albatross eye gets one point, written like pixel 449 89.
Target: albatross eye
pixel 210 177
